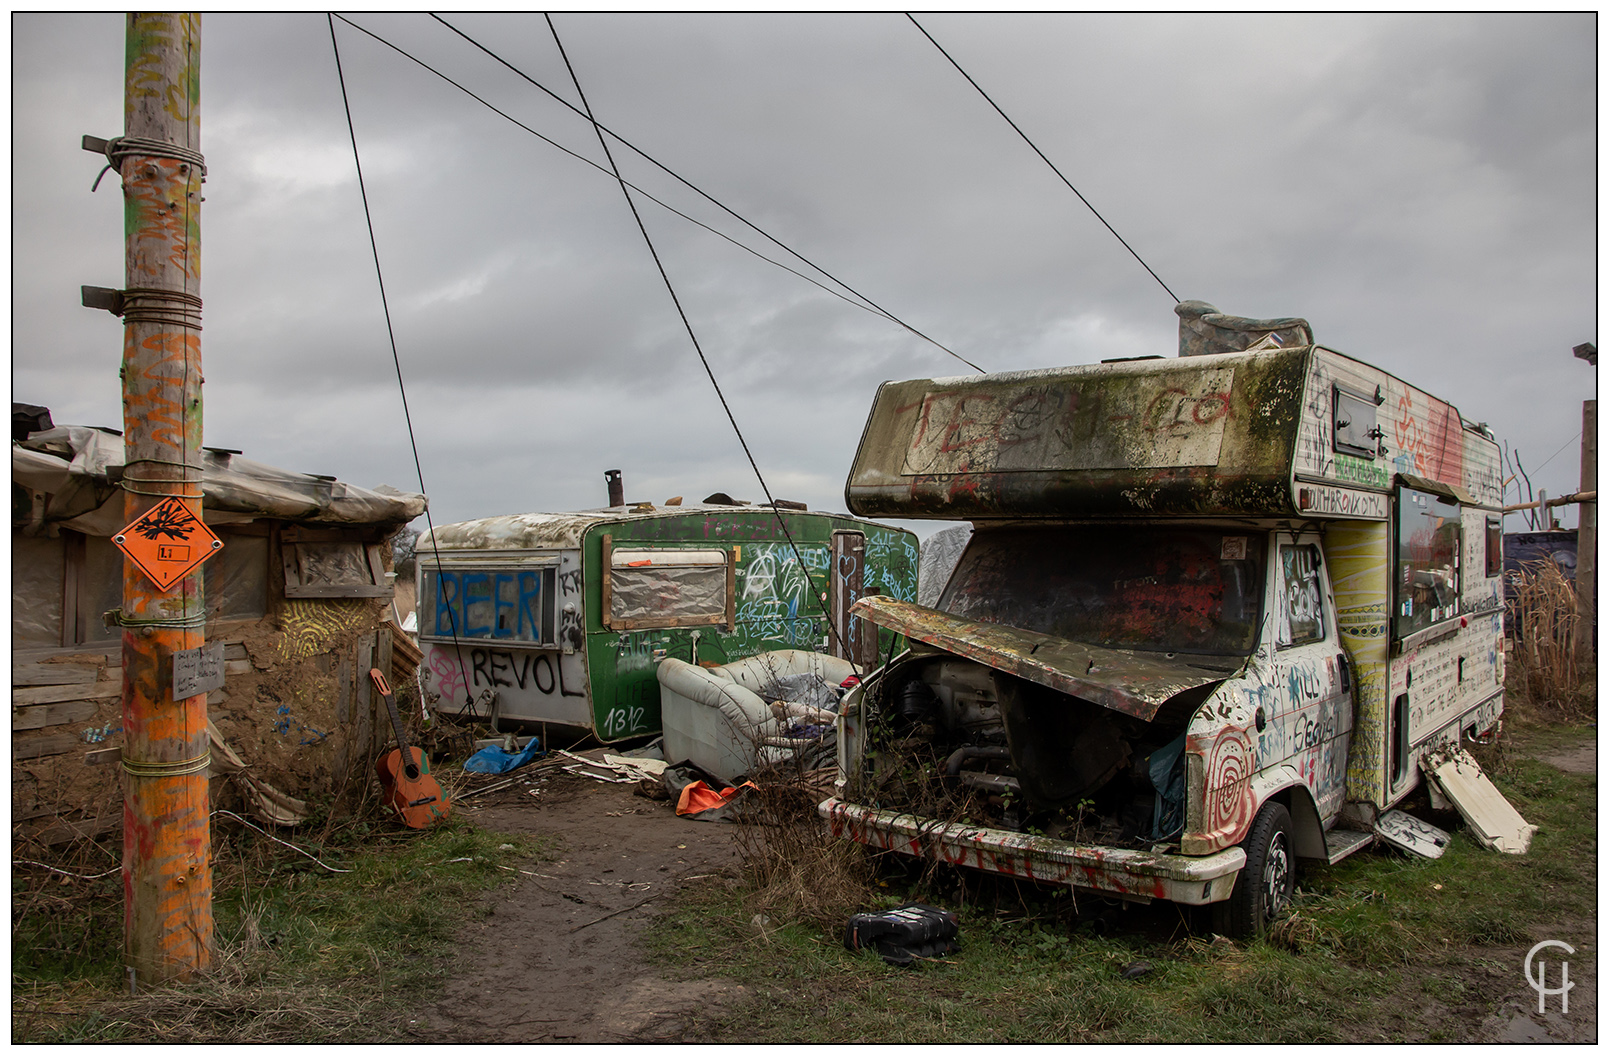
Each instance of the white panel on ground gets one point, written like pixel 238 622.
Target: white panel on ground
pixel 1493 820
pixel 1408 833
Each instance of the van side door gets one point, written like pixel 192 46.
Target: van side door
pixel 1311 695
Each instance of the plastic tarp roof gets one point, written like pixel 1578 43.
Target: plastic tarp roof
pixel 70 465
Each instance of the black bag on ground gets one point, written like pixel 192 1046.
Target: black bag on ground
pixel 902 935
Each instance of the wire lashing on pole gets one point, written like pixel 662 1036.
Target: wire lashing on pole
pixel 121 148
pixel 115 618
pixel 164 307
pixel 177 768
pixel 193 484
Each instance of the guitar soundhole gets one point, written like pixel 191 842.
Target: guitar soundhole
pixel 412 772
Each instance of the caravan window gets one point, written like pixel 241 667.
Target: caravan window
pixel 669 588
pixel 1429 545
pixel 505 603
pixel 1355 424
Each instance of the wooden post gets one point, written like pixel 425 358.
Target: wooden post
pixel 167 864
pixel 1586 543
pixel 368 732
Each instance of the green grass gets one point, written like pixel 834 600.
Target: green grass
pixel 1016 980
pixel 303 954
pixel 1378 947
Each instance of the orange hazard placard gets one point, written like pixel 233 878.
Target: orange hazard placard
pixel 167 542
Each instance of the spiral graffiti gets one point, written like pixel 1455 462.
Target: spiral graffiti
pixel 1229 770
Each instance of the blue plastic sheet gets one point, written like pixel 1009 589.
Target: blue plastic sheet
pixel 493 760
pixel 1166 766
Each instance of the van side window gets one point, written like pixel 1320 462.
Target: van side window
pixel 1301 596
pixel 1494 547
pixel 1430 535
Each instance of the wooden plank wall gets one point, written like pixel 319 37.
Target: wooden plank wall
pixel 53 688
pixel 56 687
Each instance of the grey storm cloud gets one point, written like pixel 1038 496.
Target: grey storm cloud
pixel 1421 188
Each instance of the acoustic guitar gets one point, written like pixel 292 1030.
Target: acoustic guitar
pixel 405 779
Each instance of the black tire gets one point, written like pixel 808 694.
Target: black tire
pixel 1263 888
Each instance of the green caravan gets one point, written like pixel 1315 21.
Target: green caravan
pixel 1218 613
pixel 563 618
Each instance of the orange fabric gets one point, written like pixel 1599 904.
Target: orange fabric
pixel 699 797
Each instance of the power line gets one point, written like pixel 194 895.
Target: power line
pixel 869 305
pixel 1041 154
pixel 357 161
pixel 875 307
pixel 687 324
pixel 1560 451
pixel 588 161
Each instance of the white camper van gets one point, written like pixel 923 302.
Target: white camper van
pixel 1218 613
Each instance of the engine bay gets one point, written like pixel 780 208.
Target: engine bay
pixel 955 740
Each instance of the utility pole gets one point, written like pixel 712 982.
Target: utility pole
pixel 167 845
pixel 1586 541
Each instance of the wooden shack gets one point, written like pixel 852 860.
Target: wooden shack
pixel 300 595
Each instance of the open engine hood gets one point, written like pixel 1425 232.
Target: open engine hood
pixel 1133 682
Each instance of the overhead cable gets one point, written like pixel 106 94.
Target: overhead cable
pixel 864 303
pixel 880 310
pixel 1041 154
pixel 662 204
pixel 692 336
pixel 357 161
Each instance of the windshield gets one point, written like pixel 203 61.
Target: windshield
pixel 1164 589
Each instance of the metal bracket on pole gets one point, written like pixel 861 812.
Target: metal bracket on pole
pixel 101 297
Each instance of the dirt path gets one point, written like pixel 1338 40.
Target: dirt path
pixel 549 962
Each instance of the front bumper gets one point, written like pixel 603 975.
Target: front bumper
pixel 1128 874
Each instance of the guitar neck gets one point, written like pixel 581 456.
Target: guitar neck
pixel 396 723
pixel 384 689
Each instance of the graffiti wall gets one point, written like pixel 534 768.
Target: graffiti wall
pixel 1110 421
pixel 594 675
pixel 1409 432
pixel 1358 557
pixel 532 659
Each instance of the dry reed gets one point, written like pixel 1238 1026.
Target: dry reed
pixel 797 870
pixel 1549 668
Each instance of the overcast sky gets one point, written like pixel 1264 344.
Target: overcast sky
pixel 1421 188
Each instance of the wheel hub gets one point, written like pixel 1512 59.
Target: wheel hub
pixel 1276 876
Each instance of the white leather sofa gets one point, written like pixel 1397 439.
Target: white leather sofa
pixel 714 717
